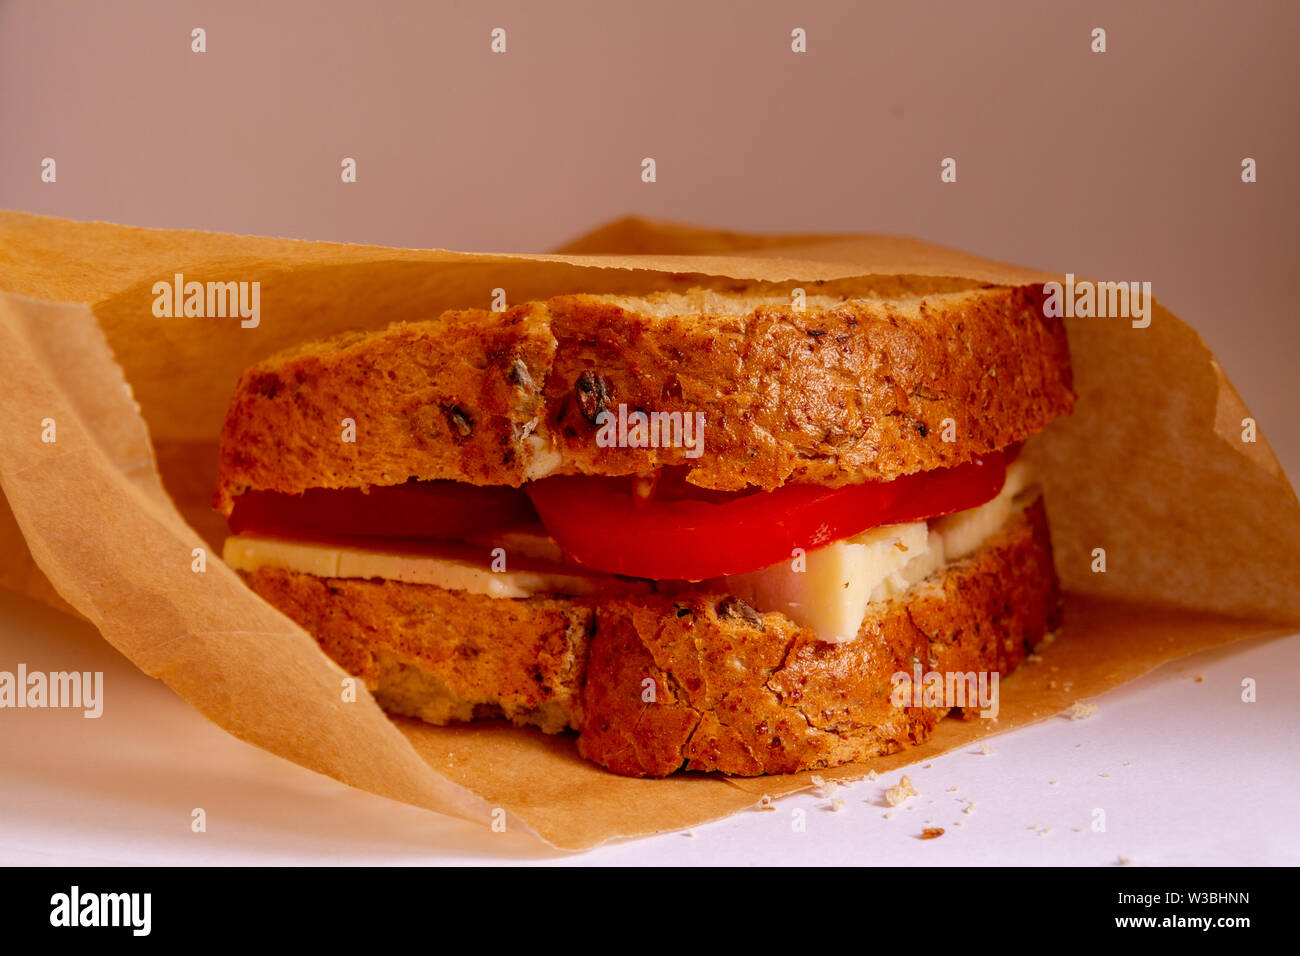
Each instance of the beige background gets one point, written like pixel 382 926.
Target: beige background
pixel 1120 166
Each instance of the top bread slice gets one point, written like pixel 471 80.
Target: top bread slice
pixel 839 391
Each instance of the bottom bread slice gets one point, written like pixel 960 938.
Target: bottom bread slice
pixel 657 683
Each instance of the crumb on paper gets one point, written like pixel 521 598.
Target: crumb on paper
pixel 927 766
pixel 689 833
pixel 765 802
pixel 958 823
pixel 1124 861
pixel 986 751
pixel 889 815
pixel 837 804
pixel 1128 763
pixel 1103 774
pixel 952 789
pixel 1044 831
pixel 900 791
pixel 931 833
pixel 1080 711
pixel 970 808
pixel 1053 782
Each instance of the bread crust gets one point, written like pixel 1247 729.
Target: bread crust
pixel 840 392
pixel 732 691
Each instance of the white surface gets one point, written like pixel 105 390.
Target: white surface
pixel 1196 776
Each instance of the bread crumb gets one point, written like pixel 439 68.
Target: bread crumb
pixel 889 816
pixel 1200 680
pixel 1103 774
pixel 970 808
pixel 1053 782
pixel 927 766
pixel 952 789
pixel 872 775
pixel 900 791
pixel 1128 763
pixel 765 802
pixel 817 781
pixel 958 823
pixel 986 750
pixel 1044 831
pixel 1123 861
pixel 1081 711
pixel 931 833
pixel 689 833
pixel 837 804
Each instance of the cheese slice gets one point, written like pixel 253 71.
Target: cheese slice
pixel 964 532
pixel 829 589
pixel 454 567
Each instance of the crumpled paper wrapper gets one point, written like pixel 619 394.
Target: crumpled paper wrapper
pixel 1201 529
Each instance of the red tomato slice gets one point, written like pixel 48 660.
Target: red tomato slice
pixel 604 524
pixel 417 509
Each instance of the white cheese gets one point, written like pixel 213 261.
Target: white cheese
pixel 452 567
pixel 965 531
pixel 830 589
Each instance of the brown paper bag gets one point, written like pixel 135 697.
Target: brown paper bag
pixel 1201 529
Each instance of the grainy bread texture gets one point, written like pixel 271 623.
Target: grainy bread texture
pixel 842 391
pixel 734 691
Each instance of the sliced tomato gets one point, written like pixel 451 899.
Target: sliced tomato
pixel 417 509
pixel 658 529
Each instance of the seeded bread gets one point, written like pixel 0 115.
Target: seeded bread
pixel 842 391
pixel 733 690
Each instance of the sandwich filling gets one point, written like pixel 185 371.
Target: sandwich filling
pixel 820 556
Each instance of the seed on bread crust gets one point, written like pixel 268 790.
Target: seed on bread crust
pixel 592 392
pixel 733 608
pixel 459 419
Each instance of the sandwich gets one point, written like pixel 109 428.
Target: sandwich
pixel 715 529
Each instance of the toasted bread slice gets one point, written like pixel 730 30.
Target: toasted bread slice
pixel 842 390
pixel 661 682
